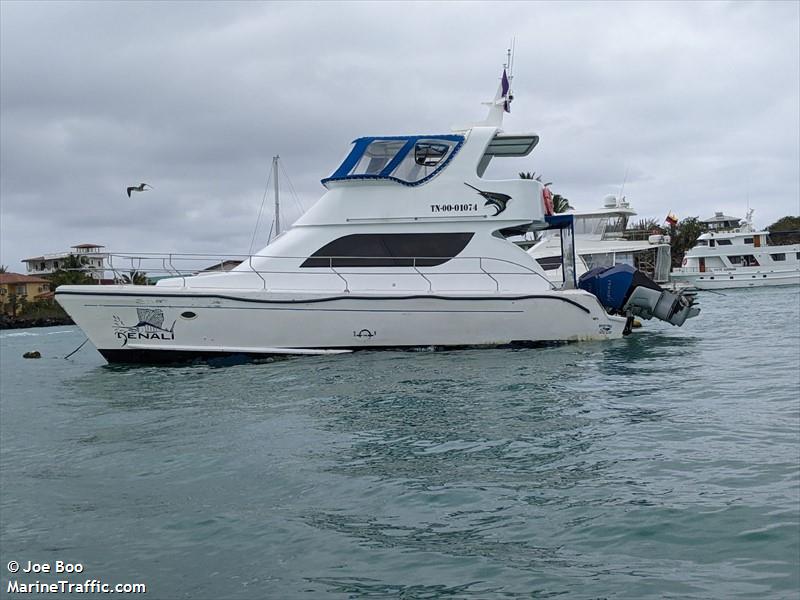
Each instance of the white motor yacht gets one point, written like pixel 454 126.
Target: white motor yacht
pixel 730 256
pixel 600 241
pixel 406 248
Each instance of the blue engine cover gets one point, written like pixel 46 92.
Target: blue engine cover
pixel 609 284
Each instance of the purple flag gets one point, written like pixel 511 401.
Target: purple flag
pixel 505 87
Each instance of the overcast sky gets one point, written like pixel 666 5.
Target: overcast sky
pixel 698 102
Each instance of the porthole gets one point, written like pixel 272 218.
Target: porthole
pixel 188 315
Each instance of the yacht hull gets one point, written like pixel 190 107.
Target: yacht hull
pixel 149 324
pixel 729 280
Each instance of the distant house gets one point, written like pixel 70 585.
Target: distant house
pixel 15 286
pixel 90 255
pixel 721 222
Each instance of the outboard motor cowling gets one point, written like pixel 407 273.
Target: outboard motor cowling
pixel 626 291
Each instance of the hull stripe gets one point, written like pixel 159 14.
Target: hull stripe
pixel 320 300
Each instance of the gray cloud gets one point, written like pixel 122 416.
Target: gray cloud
pixel 698 102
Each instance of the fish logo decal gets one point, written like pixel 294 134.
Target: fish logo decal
pixel 495 199
pixel 148 327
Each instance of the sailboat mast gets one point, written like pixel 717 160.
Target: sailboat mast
pixel 277 198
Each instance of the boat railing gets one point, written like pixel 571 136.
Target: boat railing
pixel 140 267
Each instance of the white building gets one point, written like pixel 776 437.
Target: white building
pixel 89 255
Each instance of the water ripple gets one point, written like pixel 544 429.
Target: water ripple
pixel 664 465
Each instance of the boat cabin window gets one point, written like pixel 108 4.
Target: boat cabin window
pixel 429 154
pixel 724 242
pixel 778 257
pixel 748 260
pixel 748 240
pixel 549 263
pixel 702 242
pixel 616 225
pixel 390 250
pixel 590 225
pixel 711 243
pixel 410 160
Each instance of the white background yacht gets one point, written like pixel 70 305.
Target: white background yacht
pixel 600 241
pixel 730 256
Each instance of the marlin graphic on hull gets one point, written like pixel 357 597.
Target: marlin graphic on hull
pixel 149 327
pixel 495 199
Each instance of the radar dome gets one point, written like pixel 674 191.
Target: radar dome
pixel 610 201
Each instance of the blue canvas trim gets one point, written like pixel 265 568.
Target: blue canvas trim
pixel 398 158
pixel 559 221
pixel 361 144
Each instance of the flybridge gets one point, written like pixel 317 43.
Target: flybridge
pixel 414 160
pixel 410 160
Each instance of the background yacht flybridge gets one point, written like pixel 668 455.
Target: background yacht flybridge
pixel 407 247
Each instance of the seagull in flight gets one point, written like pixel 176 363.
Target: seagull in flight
pixel 138 188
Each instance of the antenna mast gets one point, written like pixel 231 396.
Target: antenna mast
pixel 510 55
pixel 624 181
pixel 277 197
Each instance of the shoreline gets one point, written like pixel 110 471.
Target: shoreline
pixel 17 323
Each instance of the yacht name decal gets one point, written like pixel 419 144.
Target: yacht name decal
pixel 149 327
pixel 495 199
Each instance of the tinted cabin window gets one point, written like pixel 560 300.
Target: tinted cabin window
pixel 550 263
pixel 748 240
pixel 724 242
pixel 778 257
pixel 390 250
pixel 750 261
pixel 735 260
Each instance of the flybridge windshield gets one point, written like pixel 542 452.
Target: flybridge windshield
pixel 410 160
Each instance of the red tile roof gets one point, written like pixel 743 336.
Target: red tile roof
pixel 19 278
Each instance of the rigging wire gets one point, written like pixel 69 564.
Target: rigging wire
pixel 260 210
pixel 292 190
pixel 295 199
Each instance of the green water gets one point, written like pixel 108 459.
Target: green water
pixel 664 465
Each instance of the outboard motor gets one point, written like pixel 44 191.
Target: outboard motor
pixel 626 291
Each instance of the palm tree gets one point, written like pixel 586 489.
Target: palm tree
pixel 134 278
pixel 560 204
